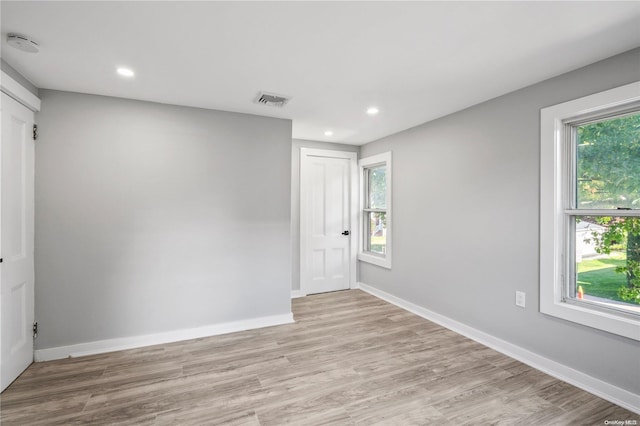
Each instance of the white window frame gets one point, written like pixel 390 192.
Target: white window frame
pixel 555 170
pixel 383 260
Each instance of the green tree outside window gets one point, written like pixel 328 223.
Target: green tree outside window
pixel 608 177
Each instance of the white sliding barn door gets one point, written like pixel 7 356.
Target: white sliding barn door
pixel 16 239
pixel 327 227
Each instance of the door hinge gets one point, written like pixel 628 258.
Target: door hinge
pixel 35 329
pixel 35 132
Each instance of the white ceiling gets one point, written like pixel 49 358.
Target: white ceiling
pixel 415 61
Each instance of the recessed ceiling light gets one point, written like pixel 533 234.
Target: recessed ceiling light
pixel 328 133
pixel 372 110
pixel 125 72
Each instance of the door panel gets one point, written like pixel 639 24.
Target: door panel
pixel 337 259
pixel 325 215
pixel 16 240
pixel 18 300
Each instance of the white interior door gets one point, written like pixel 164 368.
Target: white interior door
pixel 326 221
pixel 16 240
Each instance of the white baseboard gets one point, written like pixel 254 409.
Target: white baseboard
pixel 297 293
pixel 604 390
pixel 119 344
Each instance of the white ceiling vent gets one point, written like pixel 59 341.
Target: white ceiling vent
pixel 271 99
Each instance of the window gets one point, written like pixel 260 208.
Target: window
pixel 590 211
pixel 375 178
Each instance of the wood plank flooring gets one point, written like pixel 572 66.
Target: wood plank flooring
pixel 350 359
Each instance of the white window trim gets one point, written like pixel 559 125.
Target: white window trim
pixel 379 260
pixel 552 228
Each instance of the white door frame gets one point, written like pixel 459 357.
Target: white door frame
pixel 305 155
pixel 14 89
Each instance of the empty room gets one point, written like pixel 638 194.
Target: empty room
pixel 320 213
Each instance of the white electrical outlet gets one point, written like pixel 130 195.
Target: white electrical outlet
pixel 520 298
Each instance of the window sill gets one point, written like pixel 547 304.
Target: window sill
pixel 602 320
pixel 384 262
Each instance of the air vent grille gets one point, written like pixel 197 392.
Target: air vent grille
pixel 271 99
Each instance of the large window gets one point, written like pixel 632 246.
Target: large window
pixel 375 178
pixel 590 211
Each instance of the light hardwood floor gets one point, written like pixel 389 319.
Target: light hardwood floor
pixel 350 359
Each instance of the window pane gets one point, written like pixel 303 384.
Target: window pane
pixel 607 256
pixel 608 163
pixel 377 187
pixel 377 232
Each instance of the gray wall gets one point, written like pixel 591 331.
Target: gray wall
pixel 295 198
pixel 4 66
pixel 151 218
pixel 466 214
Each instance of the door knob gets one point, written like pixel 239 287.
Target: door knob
pixel 345 233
